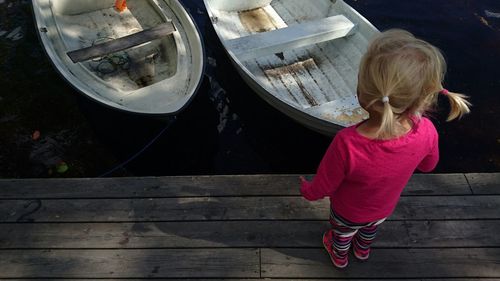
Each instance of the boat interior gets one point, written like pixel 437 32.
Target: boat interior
pixel 87 23
pixel 312 71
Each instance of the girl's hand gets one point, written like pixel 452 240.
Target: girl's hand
pixel 303 188
pixel 302 179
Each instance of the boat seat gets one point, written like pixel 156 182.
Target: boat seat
pixel 291 37
pixel 122 43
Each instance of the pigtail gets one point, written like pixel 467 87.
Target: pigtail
pixel 388 123
pixel 458 103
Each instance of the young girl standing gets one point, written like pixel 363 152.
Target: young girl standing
pixel 367 165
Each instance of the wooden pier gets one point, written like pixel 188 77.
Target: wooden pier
pixel 446 227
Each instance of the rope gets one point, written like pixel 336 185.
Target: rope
pixel 140 151
pixel 109 63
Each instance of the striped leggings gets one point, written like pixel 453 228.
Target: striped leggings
pixel 345 233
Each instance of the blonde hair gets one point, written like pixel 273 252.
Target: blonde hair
pixel 401 76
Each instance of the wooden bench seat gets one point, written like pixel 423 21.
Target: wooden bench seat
pixel 291 37
pixel 122 43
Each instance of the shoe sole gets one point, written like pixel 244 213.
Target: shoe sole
pixel 356 256
pixel 360 258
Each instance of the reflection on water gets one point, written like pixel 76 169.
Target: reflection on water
pixel 228 129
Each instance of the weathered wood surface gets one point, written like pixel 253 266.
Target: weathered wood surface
pixel 240 234
pixel 122 43
pixel 234 208
pixel 446 226
pixel 484 183
pixel 288 279
pixel 290 38
pixel 203 186
pixel 385 263
pixel 137 263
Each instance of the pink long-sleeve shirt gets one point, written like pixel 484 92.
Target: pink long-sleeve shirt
pixel 364 177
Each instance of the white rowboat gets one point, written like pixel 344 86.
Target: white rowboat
pixel 301 56
pixel 148 59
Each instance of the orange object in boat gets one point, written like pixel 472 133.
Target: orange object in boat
pixel 121 5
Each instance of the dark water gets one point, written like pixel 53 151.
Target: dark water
pixel 228 129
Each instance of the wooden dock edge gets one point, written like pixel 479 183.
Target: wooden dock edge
pixel 242 227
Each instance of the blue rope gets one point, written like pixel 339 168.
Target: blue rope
pixel 140 151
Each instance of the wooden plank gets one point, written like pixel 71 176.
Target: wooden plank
pixel 269 279
pixel 144 263
pixel 286 75
pixel 484 183
pixel 439 234
pixel 122 43
pixel 291 37
pixel 384 263
pixel 234 208
pixel 256 234
pixel 301 279
pixel 181 186
pixel 437 184
pixel 160 209
pixel 189 186
pixel 335 71
pixel 448 207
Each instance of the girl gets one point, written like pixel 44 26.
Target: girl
pixel 367 165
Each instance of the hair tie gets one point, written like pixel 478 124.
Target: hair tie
pixel 385 99
pixel 444 92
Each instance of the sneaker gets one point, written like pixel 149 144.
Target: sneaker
pixel 328 243
pixel 360 254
